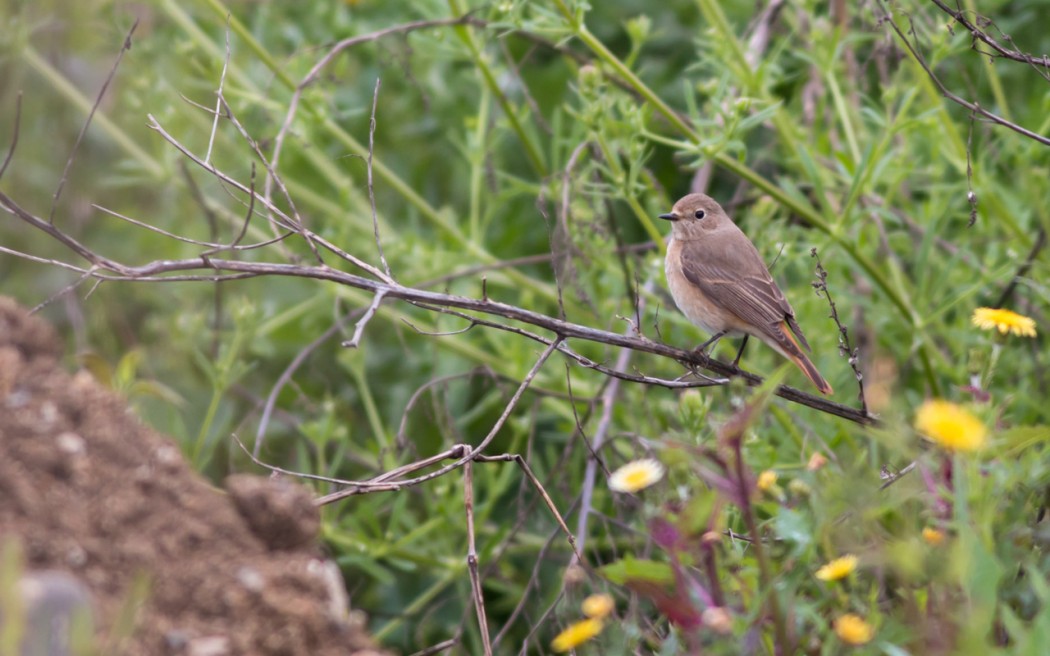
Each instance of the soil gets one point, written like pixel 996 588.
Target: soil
pixel 108 516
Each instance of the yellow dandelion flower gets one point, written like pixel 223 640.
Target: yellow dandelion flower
pixel 636 475
pixel 837 569
pixel 952 426
pixel 576 634
pixel 598 606
pixel 766 480
pixel 1004 321
pixel 932 536
pixel 853 630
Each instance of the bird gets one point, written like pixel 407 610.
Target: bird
pixel 720 282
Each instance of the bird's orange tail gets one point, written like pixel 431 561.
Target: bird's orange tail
pixel 811 372
pixel 802 362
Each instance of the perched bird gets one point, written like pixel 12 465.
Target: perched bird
pixel 719 281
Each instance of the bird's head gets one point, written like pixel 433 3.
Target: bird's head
pixel 695 214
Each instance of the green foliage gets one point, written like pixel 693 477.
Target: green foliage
pixel 563 128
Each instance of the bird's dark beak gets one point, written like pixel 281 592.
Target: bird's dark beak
pixel 670 216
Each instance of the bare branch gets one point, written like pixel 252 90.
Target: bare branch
pixel 441 380
pixel 703 381
pixel 846 348
pixel 87 123
pixel 43 260
pixel 286 221
pixel 472 558
pixel 160 271
pixel 371 186
pixel 218 94
pixel 359 329
pixel 286 375
pixel 973 107
pixel 890 479
pixel 298 225
pixel 14 135
pixel 980 35
pixel 438 648
pixel 514 457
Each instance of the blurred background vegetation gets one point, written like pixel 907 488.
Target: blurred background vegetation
pixel 532 147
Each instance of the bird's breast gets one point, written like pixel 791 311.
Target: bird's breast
pixel 693 303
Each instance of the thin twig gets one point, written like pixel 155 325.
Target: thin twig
pixel 286 221
pixel 438 648
pixel 286 375
pixel 846 349
pixel 14 135
pixel 472 558
pixel 702 380
pixel 371 186
pixel 185 240
pixel 971 195
pixel 385 482
pixel 508 457
pixel 533 583
pixel 893 478
pixel 359 329
pixel 297 220
pixel 999 50
pixel 973 107
pixel 218 94
pixel 561 245
pixel 87 123
pixel 430 384
pixel 244 224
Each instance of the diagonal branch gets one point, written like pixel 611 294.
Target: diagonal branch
pixel 87 123
pixel 158 271
pixel 973 107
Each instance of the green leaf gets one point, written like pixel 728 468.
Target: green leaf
pixel 629 570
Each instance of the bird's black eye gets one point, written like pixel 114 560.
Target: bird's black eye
pixel 700 214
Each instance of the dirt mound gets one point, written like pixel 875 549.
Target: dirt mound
pixel 99 503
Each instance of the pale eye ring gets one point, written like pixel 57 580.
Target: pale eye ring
pixel 700 214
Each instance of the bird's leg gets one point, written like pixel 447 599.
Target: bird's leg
pixel 702 351
pixel 703 348
pixel 740 353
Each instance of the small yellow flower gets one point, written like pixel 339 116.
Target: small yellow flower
pixel 576 634
pixel 837 569
pixel 932 536
pixel 766 480
pixel 636 475
pixel 598 606
pixel 952 426
pixel 1004 321
pixel 853 630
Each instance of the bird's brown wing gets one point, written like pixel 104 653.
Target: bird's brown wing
pixel 742 286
